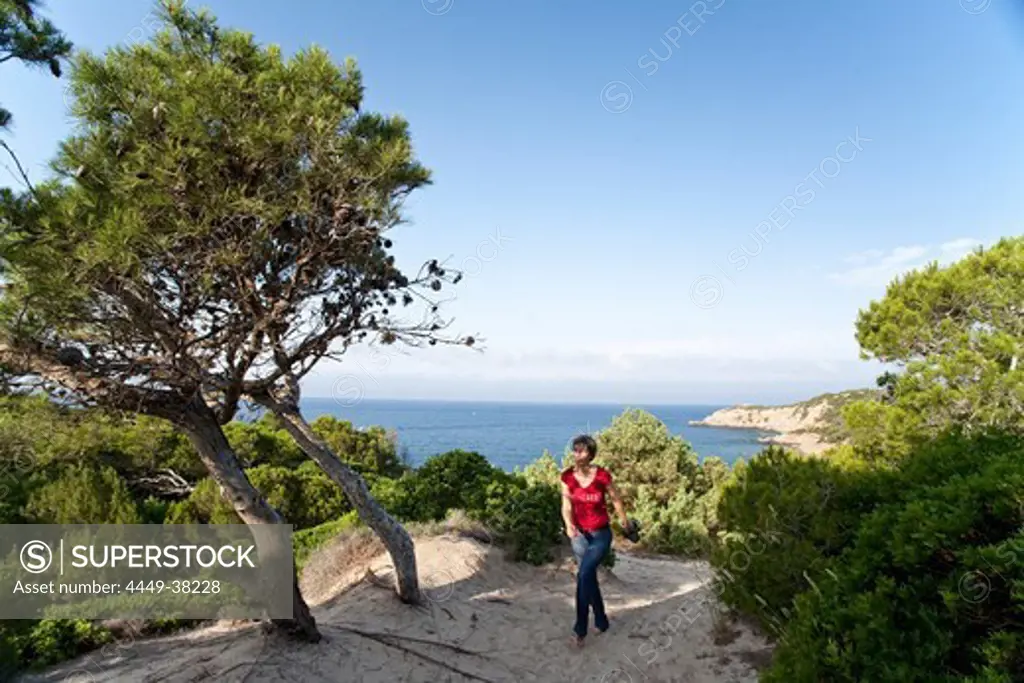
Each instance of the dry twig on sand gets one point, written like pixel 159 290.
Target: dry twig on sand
pixel 389 638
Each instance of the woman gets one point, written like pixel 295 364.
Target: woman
pixel 585 489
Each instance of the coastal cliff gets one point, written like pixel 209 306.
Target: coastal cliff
pixel 810 426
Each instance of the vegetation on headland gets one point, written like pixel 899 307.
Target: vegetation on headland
pixel 820 416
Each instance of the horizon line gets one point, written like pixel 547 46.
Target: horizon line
pixel 517 402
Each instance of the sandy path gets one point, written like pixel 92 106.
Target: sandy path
pixel 491 619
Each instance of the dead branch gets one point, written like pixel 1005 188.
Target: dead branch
pixel 166 483
pixel 21 169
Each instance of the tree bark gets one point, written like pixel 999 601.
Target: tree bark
pixel 200 425
pixel 394 536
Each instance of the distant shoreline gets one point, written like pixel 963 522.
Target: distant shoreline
pixel 794 426
pixel 809 427
pixel 516 434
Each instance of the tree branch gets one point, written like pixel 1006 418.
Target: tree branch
pixel 21 169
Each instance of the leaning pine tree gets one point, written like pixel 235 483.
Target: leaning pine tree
pixel 219 230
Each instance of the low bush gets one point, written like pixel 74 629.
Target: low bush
pixel 527 519
pixel 454 480
pixel 786 516
pixel 369 451
pixel 544 470
pixel 305 497
pixel 83 494
pixel 932 587
pixel 205 505
pixel 639 450
pixel 397 496
pixel 676 527
pixel 882 432
pixel 38 644
pixel 263 443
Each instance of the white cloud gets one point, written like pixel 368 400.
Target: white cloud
pixel 863 257
pixel 877 268
pixel 959 247
pixel 881 267
pixel 791 356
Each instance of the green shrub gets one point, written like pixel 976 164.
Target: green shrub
pixel 372 450
pixel 523 517
pixel 675 527
pixel 786 517
pixel 712 477
pixel 17 481
pixel 322 499
pixel 84 494
pixel 712 473
pixel 456 480
pixel 305 497
pixel 397 496
pixel 153 510
pixel 527 519
pixel 263 443
pixel 281 487
pixel 205 505
pixel 163 627
pixel 663 486
pixel 36 644
pixel 145 444
pixel 52 434
pixel 932 588
pixel 544 470
pixel 638 449
pixel 183 512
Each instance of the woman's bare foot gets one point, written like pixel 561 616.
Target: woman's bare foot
pixel 577 641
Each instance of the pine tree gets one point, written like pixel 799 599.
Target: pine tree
pixel 32 40
pixel 219 228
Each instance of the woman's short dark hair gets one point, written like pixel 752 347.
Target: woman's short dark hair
pixel 587 442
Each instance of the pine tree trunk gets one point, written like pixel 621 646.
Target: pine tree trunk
pixel 200 425
pixel 395 538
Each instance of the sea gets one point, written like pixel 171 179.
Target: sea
pixel 512 435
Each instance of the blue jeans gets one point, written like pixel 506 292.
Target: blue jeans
pixel 590 549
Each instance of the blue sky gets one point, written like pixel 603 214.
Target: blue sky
pixel 651 205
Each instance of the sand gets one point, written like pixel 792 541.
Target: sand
pixel 490 619
pixel 807 443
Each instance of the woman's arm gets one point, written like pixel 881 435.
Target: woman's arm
pixel 570 527
pixel 620 509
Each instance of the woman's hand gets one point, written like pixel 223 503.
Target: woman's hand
pixel 571 532
pixel 613 493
